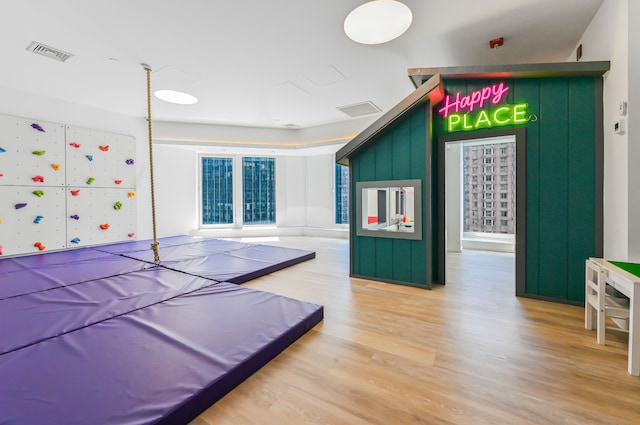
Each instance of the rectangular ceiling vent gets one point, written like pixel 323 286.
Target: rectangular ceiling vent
pixel 360 109
pixel 50 52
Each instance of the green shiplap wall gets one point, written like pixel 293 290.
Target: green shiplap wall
pixel 397 154
pixel 561 179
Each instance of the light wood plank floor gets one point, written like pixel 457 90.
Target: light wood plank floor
pixel 469 352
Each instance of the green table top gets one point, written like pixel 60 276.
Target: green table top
pixel 633 268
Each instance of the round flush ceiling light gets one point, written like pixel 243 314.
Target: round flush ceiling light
pixel 378 21
pixel 173 96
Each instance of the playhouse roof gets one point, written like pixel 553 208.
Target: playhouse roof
pixel 429 87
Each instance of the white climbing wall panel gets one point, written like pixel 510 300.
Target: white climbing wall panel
pixel 106 158
pixel 21 229
pixel 30 153
pixel 114 223
pixel 63 187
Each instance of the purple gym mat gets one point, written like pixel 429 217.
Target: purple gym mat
pixel 217 259
pixel 241 265
pixel 145 244
pixel 39 316
pixel 45 259
pixel 49 273
pixel 164 363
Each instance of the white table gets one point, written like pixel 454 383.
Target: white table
pixel 599 273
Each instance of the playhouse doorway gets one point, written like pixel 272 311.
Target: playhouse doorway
pixel 479 211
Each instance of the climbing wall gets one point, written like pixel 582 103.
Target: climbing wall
pixel 63 187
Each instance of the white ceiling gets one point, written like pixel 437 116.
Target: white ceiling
pixel 279 63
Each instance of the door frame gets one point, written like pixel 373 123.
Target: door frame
pixel 521 199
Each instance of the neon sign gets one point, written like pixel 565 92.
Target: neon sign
pixel 460 112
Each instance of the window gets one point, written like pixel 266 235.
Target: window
pixel 503 196
pixel 504 187
pixel 488 151
pixel 487 178
pixel 488 222
pixel 503 213
pixel 488 169
pixel 217 190
pixel 504 204
pixel 259 190
pixel 503 169
pixel 504 178
pixel 487 161
pixel 342 194
pixel 504 222
pixel 503 151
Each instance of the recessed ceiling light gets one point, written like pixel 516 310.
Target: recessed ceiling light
pixel 173 96
pixel 378 21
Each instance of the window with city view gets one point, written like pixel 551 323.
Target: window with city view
pixel 342 194
pixel 479 209
pixel 217 190
pixel 259 190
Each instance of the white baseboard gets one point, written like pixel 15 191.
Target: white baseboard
pixel 265 231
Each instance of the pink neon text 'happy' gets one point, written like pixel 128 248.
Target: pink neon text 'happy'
pixel 478 98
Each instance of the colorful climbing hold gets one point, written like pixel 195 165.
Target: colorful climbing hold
pixel 56 167
pixel 2 150
pixel 75 240
pixel 0 221
pixel 129 161
pixel 74 144
pixel 38 193
pixel 104 148
pixel 38 219
pixel 39 246
pixel 91 180
pixel 37 127
pixel 118 181
pixel 75 217
pixel 38 179
pixel 131 194
pixel 18 206
pixel 1 175
pixel 0 249
pixel 104 226
pixel 75 192
pixel 131 235
pixel 90 157
pixel 117 205
pixel 39 153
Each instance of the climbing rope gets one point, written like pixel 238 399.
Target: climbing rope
pixel 154 245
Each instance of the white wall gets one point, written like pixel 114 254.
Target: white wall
pixel 607 38
pixel 634 130
pixel 319 187
pixel 175 181
pixel 27 105
pixel 304 179
pixel 291 194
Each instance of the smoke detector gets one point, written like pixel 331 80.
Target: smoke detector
pixel 48 51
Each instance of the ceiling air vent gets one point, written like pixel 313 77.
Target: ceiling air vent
pixel 49 52
pixel 359 109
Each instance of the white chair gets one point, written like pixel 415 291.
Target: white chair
pixel 604 301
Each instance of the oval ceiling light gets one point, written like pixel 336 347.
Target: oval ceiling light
pixel 173 96
pixel 378 21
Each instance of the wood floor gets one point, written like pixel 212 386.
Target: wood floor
pixel 469 352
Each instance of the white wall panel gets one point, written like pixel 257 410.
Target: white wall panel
pixel 45 180
pixel 19 231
